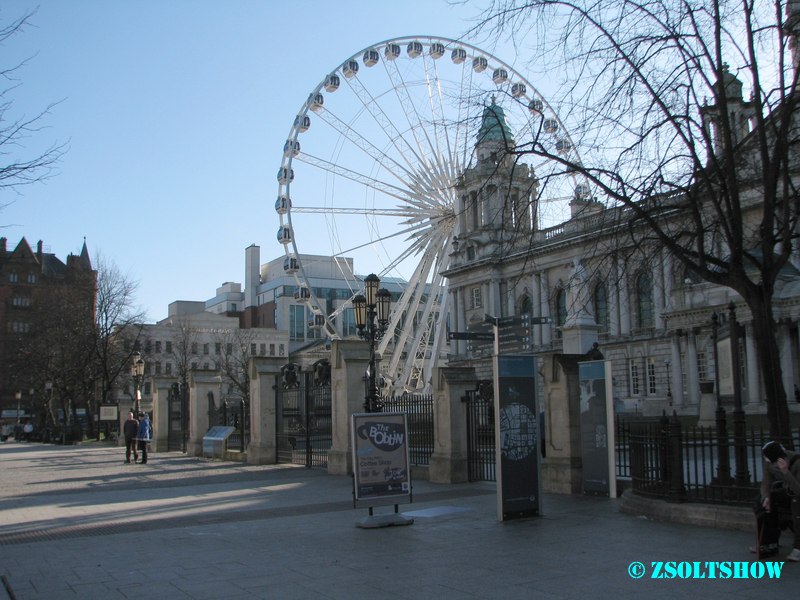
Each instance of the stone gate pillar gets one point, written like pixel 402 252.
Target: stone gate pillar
pixel 200 384
pixel 349 360
pixel 448 463
pixel 562 468
pixel 160 416
pixel 262 449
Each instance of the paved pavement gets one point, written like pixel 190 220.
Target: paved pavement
pixel 75 522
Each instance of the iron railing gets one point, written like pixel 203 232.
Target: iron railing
pixel 480 435
pixel 419 414
pixel 232 413
pixel 304 432
pixel 664 458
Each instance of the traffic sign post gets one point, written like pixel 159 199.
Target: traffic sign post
pixel 470 335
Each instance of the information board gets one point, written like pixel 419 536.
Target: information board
pixel 380 459
pixel 597 428
pixel 519 488
pixel 215 439
pixel 108 413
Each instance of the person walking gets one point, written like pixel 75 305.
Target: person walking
pixel 779 501
pixel 145 435
pixel 130 429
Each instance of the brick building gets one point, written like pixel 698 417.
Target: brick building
pixel 34 286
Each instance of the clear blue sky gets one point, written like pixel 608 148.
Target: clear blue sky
pixel 176 113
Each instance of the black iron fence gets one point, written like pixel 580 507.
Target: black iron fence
pixel 232 412
pixel 665 458
pixel 419 411
pixel 303 421
pixel 480 434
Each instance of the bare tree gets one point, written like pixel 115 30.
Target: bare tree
pixel 116 320
pixel 653 96
pixel 235 352
pixel 184 348
pixel 17 168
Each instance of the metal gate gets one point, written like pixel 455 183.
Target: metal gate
pixel 303 415
pixel 480 433
pixel 232 412
pixel 178 417
pixel 419 411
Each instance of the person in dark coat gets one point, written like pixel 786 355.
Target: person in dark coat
pixel 130 429
pixel 778 504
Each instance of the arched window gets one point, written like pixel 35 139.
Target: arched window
pixel 525 305
pixel 561 306
pixel 600 301
pixel 644 301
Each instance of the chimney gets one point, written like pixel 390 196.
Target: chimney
pixel 39 250
pixel 252 259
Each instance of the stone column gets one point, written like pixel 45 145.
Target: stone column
pixel 676 369
pixel 753 372
pixel 262 449
pixel 448 462
pixel 200 383
pixel 462 318
pixel 668 267
pixel 456 323
pixel 692 375
pixel 613 306
pixel 536 301
pixel 160 417
pixel 624 303
pixel 349 361
pixel 547 330
pixel 658 293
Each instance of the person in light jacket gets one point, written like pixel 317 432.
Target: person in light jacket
pixel 145 435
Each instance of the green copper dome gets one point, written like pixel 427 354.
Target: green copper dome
pixel 493 126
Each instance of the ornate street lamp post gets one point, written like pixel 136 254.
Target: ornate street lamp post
pixel 18 397
pixel 372 319
pixel 48 387
pixel 137 373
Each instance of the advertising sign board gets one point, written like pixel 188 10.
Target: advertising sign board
pixel 380 459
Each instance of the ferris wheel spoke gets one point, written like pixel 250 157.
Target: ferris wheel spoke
pixel 383 120
pixel 381 186
pixel 428 338
pixel 441 138
pixel 412 116
pixel 412 297
pixel 378 240
pixel 375 153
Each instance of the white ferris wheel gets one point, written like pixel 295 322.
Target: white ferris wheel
pixel 367 182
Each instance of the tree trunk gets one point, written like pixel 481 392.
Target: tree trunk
pixel 765 334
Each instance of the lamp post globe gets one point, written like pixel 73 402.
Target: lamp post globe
pixel 137 373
